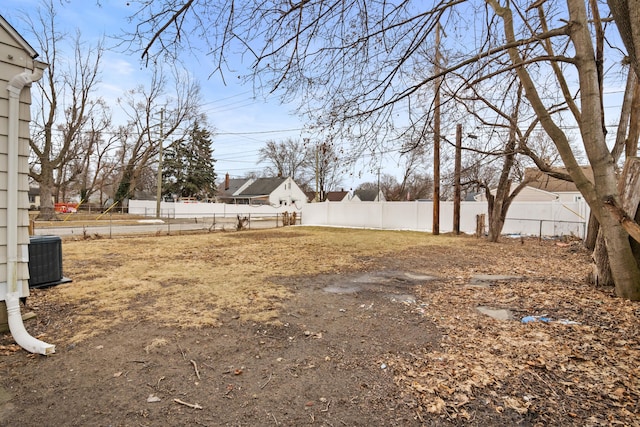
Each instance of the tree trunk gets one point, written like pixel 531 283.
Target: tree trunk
pixel 630 191
pixel 47 207
pixel 603 264
pixel 625 13
pixel 593 227
pixel 495 227
pixel 601 270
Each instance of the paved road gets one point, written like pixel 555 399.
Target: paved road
pixel 141 228
pixel 106 230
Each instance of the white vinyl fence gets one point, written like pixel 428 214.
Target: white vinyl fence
pixel 524 218
pixel 181 210
pixel 553 218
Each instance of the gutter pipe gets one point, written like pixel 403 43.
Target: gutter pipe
pixel 19 333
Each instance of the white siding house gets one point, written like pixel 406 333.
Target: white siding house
pixel 527 194
pixel 277 191
pixel 18 69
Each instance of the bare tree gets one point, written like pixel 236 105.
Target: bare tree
pixel 323 168
pixel 286 158
pixel 154 114
pixel 95 158
pixel 625 13
pixel 354 61
pixel 414 186
pixel 66 100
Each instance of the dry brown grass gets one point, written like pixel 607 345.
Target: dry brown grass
pixel 189 280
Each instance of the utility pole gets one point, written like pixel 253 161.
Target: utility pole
pixel 317 199
pixel 456 178
pixel 436 140
pixel 159 183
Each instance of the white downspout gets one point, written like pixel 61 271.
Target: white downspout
pixel 20 334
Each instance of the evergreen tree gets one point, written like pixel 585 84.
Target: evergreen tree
pixel 189 166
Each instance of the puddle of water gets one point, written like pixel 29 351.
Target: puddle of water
pixel 419 276
pixel 371 278
pixel 341 289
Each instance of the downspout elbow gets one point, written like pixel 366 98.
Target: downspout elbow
pixel 19 81
pixel 18 331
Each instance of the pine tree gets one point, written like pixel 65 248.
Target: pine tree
pixel 189 166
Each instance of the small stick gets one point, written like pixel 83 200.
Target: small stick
pixel 274 419
pixel 184 356
pixel 190 405
pixel 195 367
pixel 265 384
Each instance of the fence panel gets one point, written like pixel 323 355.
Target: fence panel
pixel 527 218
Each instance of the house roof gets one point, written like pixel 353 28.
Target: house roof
pixel 335 196
pixel 18 38
pixel 234 185
pixel 262 186
pixel 542 181
pixel 367 195
pixel 249 187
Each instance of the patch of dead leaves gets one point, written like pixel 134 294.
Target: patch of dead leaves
pixel 546 373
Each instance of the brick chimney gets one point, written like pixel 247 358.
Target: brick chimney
pixel 226 182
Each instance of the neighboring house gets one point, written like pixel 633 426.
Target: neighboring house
pixel 331 196
pixel 542 187
pixel 18 69
pixel 34 198
pixel 368 196
pixel 338 196
pixel 566 190
pixel 277 191
pixel 527 194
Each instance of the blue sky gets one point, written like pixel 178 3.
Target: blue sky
pixel 243 120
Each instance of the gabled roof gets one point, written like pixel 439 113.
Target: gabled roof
pixel 262 186
pixel 17 37
pixel 367 195
pixel 335 196
pixel 235 184
pixel 542 181
pixel 249 187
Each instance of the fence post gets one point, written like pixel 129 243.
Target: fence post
pixel 540 232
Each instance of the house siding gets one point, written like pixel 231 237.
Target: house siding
pixel 287 193
pixel 15 57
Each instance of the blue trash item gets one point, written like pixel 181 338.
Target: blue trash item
pixel 532 319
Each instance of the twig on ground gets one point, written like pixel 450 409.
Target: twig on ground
pixel 195 367
pixel 274 419
pixel 190 405
pixel 265 384
pixel 184 356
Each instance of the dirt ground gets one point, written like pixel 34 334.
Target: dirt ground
pixel 368 337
